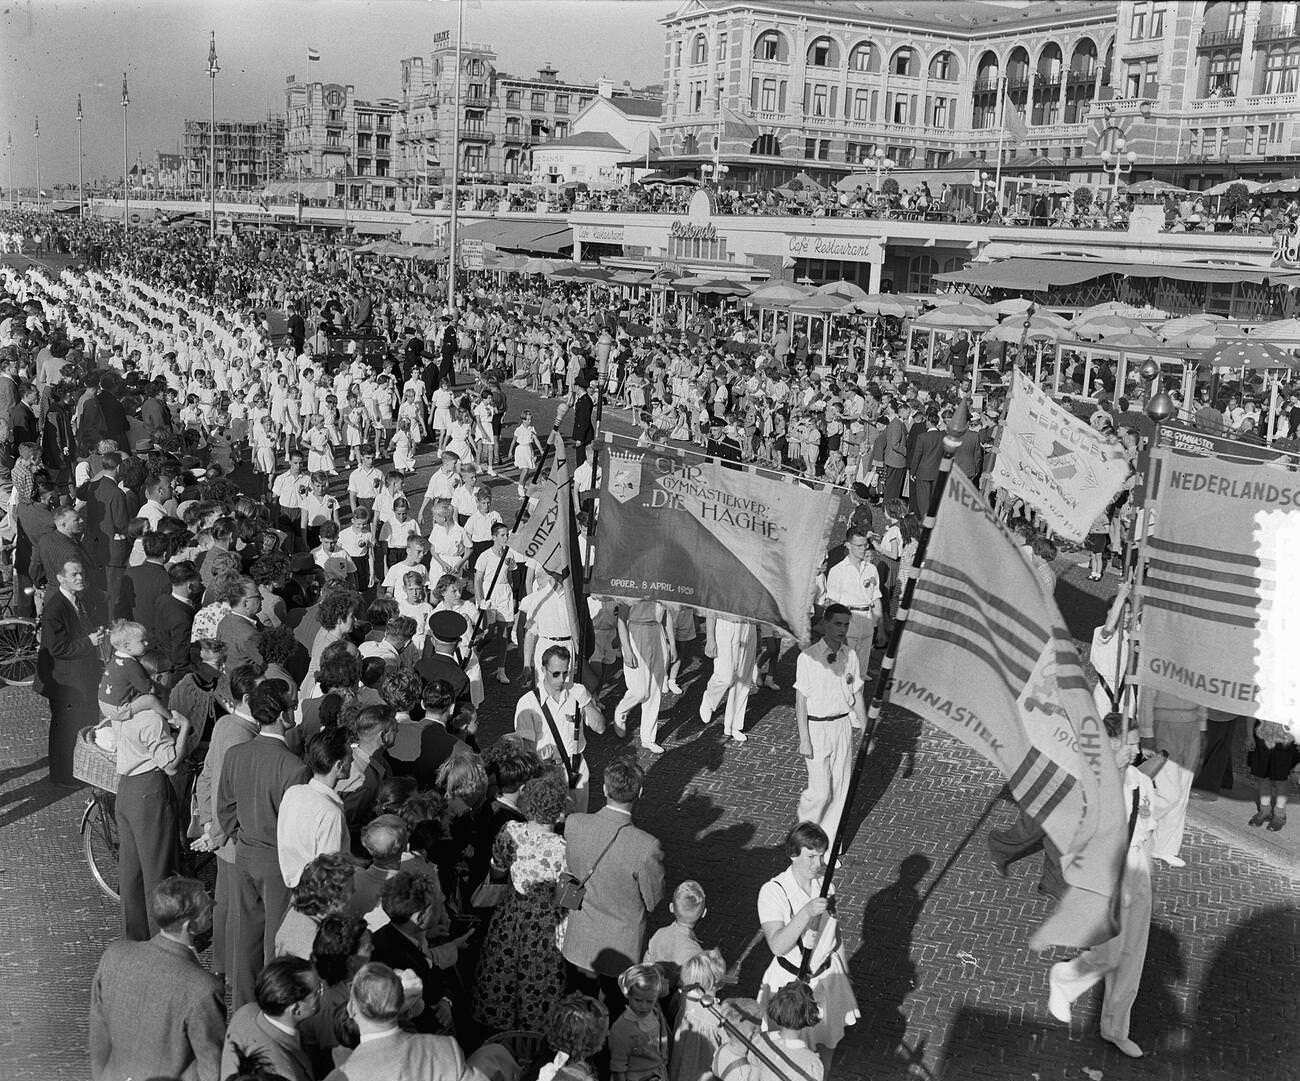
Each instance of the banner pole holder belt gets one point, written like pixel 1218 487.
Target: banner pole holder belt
pixel 880 692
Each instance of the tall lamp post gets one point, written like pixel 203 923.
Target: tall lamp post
pixel 1119 163
pixel 9 153
pixel 213 69
pixel 81 165
pixel 988 189
pixel 36 134
pixel 884 163
pixel 126 180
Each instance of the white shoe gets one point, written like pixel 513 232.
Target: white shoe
pixel 1126 1046
pixel 620 727
pixel 1172 861
pixel 672 688
pixel 739 736
pixel 705 718
pixel 653 748
pixel 1058 1004
pixel 502 677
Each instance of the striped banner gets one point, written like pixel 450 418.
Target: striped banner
pixel 1220 597
pixel 984 655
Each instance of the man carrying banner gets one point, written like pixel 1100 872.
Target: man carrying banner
pixel 828 705
pixel 854 583
pixel 552 717
pixel 1119 960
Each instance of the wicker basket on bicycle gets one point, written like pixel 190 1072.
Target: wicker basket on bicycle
pixel 92 764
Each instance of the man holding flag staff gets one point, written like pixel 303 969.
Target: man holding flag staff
pixel 828 705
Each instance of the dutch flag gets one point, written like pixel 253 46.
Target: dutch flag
pixel 312 54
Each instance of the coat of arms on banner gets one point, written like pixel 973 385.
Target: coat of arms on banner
pixel 624 476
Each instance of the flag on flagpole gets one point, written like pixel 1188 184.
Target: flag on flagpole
pixel 1061 466
pixel 548 537
pixel 1015 123
pixel 985 656
pixel 312 54
pixel 736 125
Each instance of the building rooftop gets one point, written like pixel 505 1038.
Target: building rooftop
pixel 630 106
pixel 592 140
pixel 974 18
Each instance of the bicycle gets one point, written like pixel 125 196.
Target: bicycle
pixel 20 637
pixel 99 840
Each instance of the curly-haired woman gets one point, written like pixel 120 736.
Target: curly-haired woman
pixel 521 972
pixel 323 890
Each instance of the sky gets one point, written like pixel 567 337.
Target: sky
pixel 54 49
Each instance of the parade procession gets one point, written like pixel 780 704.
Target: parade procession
pixel 747 576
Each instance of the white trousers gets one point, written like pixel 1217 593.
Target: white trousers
pixel 733 675
pixel 1119 960
pixel 828 774
pixel 642 689
pixel 860 639
pixel 1174 783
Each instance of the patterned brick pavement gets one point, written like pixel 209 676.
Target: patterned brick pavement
pixel 937 941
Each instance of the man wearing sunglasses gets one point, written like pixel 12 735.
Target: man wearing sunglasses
pixel 552 717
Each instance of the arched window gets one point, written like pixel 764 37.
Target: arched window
pixel 1280 70
pixel 823 53
pixel 986 74
pixel 766 146
pixel 944 66
pixel 864 57
pixel 1049 64
pixel 772 45
pixel 903 61
pixel 700 50
pixel 1018 67
pixel 1083 61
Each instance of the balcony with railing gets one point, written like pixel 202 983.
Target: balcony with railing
pixel 1267 32
pixel 1247 103
pixel 1219 39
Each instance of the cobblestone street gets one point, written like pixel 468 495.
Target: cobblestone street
pixel 937 941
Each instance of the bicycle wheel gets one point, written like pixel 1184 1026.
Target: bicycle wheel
pixel 19 640
pixel 99 842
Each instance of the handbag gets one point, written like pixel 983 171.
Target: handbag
pixel 570 891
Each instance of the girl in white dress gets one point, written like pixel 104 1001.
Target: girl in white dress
pixel 485 432
pixel 293 419
pixel 412 411
pixel 524 448
pixel 403 447
pixel 441 404
pixel 355 427
pixel 459 432
pixel 385 407
pixel 262 439
pixel 320 455
pixel 279 410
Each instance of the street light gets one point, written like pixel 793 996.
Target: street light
pixel 9 153
pixel 81 169
pixel 715 172
pixel 988 189
pixel 1119 162
pixel 884 163
pixel 126 180
pixel 36 134
pixel 213 68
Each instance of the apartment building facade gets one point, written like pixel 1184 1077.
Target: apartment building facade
pixel 331 134
pixel 249 153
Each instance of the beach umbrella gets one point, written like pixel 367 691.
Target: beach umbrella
pixel 1184 324
pixel 1206 336
pixel 822 304
pixel 1251 186
pixel 1012 306
pixel 955 316
pixel 1252 356
pixel 593 274
pixel 538 266
pixel 882 304
pixel 1281 330
pixel 1138 338
pixel 1108 326
pixel 778 294
pixel 842 288
pixel 1013 330
pixel 722 287
pixel 1281 187
pixel 1154 187
pixel 809 184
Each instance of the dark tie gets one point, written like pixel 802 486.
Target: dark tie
pixel 831 655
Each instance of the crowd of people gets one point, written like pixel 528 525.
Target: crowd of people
pixel 287 669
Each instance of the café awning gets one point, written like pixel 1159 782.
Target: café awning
pixel 532 237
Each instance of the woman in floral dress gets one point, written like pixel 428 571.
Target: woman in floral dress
pixel 521 972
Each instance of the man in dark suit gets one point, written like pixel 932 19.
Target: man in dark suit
pixel 59 546
pixel 154 1010
pixel 103 417
pixel 623 868
pixel 437 743
pixel 509 764
pixel 68 664
pixel 239 627
pixel 413 907
pixel 288 993
pixel 969 455
pixel 584 428
pixel 297 330
pixel 22 418
pixel 142 586
pixel 254 777
pixel 108 510
pixel 450 344
pixel 173 619
pixel 923 464
pixel 894 453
